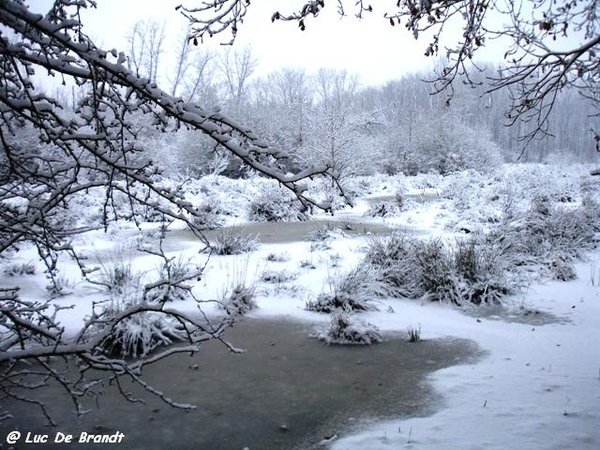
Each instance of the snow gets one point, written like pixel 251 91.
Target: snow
pixel 536 385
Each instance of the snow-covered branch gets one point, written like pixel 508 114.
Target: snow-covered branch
pixel 52 153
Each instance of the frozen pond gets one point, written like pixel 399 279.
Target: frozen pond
pixel 288 391
pixel 285 232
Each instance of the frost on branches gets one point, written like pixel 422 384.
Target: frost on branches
pixel 51 154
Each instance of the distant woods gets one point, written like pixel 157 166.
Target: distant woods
pixel 333 117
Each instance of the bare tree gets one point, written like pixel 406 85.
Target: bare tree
pixel 182 63
pixel 291 89
pixel 49 156
pixel 236 67
pixel 335 139
pixel 551 44
pixel 146 42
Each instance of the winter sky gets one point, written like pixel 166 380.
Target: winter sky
pixel 370 47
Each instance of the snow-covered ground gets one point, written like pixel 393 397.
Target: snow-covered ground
pixel 537 387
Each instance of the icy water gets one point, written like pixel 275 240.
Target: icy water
pixel 288 391
pixel 283 232
pixel 286 232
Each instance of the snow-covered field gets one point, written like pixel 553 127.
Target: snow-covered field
pixel 538 385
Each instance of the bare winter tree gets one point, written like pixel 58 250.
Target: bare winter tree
pixel 146 42
pixel 51 155
pixel 236 67
pixel 335 138
pixel 551 44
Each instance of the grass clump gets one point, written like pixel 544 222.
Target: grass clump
pixel 346 328
pixel 233 241
pixel 413 334
pixel 355 291
pixel 139 334
pixel 278 276
pixel 325 232
pixel 240 300
pixel 470 271
pixel 18 269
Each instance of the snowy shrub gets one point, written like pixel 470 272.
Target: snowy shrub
pixel 275 204
pixel 277 276
pixel 277 257
pixel 561 268
pixel 471 271
pixel 233 242
pixel 346 328
pixel 117 276
pixel 139 334
pixel 400 199
pixel 306 264
pixel 482 271
pixel 434 269
pixel 173 273
pixel 394 258
pixel 322 235
pixel 355 291
pixel 59 286
pixel 591 209
pixel 383 209
pixel 359 186
pixel 209 215
pixel 556 229
pixel 323 191
pixel 240 300
pixel 446 144
pixel 16 269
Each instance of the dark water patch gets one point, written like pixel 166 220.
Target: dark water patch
pixel 288 391
pixel 282 232
pixel 515 314
pixel 418 198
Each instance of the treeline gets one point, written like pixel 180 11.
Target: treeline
pixel 330 117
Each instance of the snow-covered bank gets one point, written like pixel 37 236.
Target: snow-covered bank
pixel 537 389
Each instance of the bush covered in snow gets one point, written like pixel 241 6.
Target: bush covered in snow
pixel 448 145
pixel 278 276
pixel 549 235
pixel 469 271
pixel 346 328
pixel 324 233
pixel 233 241
pixel 240 300
pixel 117 276
pixel 136 334
pixel 139 334
pixel 210 215
pixel 383 209
pixel 275 204
pixel 355 291
pixel 19 268
pixel 173 275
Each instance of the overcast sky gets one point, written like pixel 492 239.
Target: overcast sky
pixel 370 48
